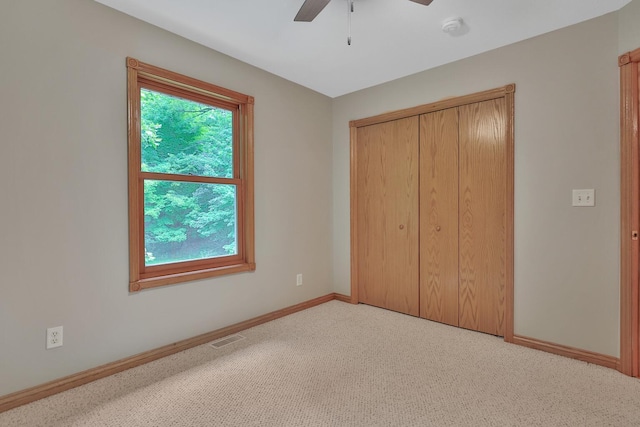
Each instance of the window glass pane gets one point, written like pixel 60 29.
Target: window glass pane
pixel 185 221
pixel 185 137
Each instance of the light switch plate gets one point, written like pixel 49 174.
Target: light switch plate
pixel 586 197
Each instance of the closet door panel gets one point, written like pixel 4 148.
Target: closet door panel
pixel 439 216
pixel 482 216
pixel 387 217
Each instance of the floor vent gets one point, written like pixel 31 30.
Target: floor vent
pixel 226 341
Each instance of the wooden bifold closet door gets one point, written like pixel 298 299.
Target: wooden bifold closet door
pixel 432 218
pixel 482 216
pixel 462 216
pixel 439 216
pixel 388 214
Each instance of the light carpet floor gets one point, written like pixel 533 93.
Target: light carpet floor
pixel 343 365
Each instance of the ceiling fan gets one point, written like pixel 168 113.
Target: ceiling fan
pixel 311 8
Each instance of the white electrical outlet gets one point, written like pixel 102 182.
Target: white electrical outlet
pixel 54 337
pixel 299 280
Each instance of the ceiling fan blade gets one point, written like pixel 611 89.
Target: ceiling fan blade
pixel 424 2
pixel 310 9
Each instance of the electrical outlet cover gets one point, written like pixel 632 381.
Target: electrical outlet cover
pixel 54 337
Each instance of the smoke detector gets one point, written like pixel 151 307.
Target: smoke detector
pixel 452 25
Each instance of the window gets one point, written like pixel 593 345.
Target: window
pixel 190 178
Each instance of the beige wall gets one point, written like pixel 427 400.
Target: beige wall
pixel 629 30
pixel 566 137
pixel 63 185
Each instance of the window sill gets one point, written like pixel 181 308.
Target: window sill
pixel 170 279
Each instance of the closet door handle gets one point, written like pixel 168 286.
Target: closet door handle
pixel 438 228
pixel 401 227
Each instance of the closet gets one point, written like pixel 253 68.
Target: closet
pixel 432 211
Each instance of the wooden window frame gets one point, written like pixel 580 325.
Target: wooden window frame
pixel 141 75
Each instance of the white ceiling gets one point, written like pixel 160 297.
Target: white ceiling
pixel 390 38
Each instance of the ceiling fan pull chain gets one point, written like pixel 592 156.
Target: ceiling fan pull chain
pixel 349 11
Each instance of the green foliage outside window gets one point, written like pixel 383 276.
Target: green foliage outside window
pixel 186 220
